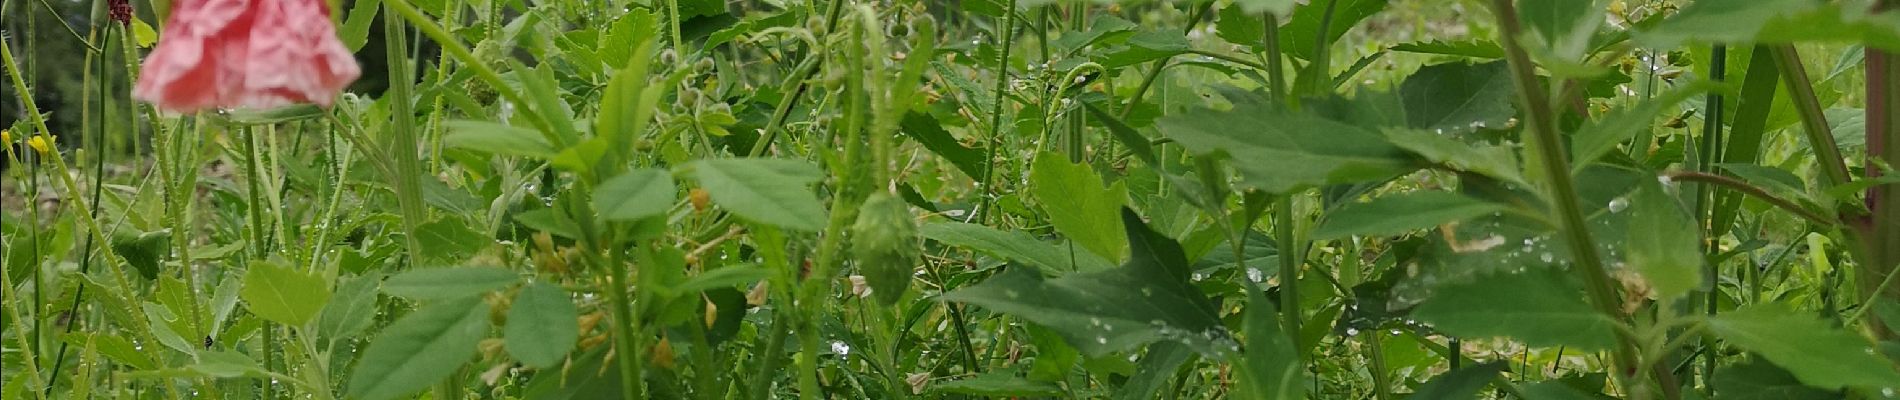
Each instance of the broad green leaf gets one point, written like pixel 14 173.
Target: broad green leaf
pixel 637 194
pixel 1279 151
pixel 143 250
pixel 1481 49
pixel 998 384
pixel 282 294
pixel 353 310
pixel 162 321
pixel 1819 355
pixel 1664 244
pixel 1536 307
pixel 1241 26
pixel 496 138
pixel 1496 161
pixel 1459 384
pixel 1459 97
pixel 449 282
pixel 1565 26
pixel 1303 25
pixel 541 325
pixel 1079 205
pixel 769 191
pixel 1014 246
pixel 1054 358
pixel 1758 380
pixel 1401 213
pixel 449 240
pixel 926 130
pixel 1147 299
pixel 116 348
pixel 420 349
pixel 1603 134
pixel 1271 369
pixel 1145 46
pixel 225 364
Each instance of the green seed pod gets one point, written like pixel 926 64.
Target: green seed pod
pixel 884 239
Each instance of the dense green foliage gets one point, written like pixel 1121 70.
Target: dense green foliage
pixel 1254 199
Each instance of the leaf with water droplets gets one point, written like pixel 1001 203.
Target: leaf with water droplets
pixel 1145 300
pixel 1536 307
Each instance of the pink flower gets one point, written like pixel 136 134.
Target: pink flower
pixel 246 53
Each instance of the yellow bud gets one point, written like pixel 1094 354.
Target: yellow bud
pixel 6 136
pixel 40 143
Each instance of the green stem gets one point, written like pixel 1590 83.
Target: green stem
pixel 1007 33
pixel 1563 193
pixel 402 145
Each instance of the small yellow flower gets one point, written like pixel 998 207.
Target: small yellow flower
pixel 6 136
pixel 40 143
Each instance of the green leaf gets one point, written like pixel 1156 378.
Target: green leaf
pixel 283 295
pixel 1462 383
pixel 496 138
pixel 1459 97
pixel 1145 46
pixel 449 240
pixel 1125 135
pixel 143 34
pixel 722 277
pixel 355 29
pixel 637 194
pixel 1565 26
pixel 353 311
pixel 926 130
pixel 1483 49
pixel 143 250
pixel 1602 135
pixel 1401 213
pixel 1271 368
pixel 1002 383
pixel 1241 26
pixel 1664 244
pixel 1155 372
pixel 448 283
pixel 1758 380
pixel 1536 307
pixel 541 326
pixel 1775 22
pixel 1496 161
pixel 1767 177
pixel 1818 354
pixel 1279 151
pixel 1014 246
pixel 1079 205
pixel 1297 36
pixel 420 349
pixel 1147 299
pixel 768 191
